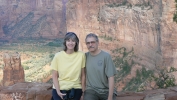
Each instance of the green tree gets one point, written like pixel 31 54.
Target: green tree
pixel 175 14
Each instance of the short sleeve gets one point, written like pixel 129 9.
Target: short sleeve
pixel 83 60
pixel 54 64
pixel 110 69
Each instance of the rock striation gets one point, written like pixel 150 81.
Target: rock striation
pixel 146 25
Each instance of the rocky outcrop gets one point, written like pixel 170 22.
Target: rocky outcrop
pixel 160 94
pixel 26 91
pixel 13 71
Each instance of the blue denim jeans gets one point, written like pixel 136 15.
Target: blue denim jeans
pixel 77 94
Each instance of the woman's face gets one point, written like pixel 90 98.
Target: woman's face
pixel 70 44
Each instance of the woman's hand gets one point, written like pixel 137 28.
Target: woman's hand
pixel 61 94
pixel 82 97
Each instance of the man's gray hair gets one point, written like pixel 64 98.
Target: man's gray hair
pixel 92 35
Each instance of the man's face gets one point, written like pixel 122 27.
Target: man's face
pixel 92 44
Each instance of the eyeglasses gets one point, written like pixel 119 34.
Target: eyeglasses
pixel 91 42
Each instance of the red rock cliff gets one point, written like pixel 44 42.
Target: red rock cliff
pixel 32 18
pixel 147 26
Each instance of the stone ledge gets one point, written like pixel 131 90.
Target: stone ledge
pixel 43 91
pixel 26 91
pixel 159 94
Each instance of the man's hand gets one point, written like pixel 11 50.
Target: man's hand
pixel 109 98
pixel 61 94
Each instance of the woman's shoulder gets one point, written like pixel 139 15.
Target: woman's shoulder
pixel 59 53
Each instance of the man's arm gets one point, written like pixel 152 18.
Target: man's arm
pixel 111 87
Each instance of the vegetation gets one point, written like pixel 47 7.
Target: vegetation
pixel 106 37
pixel 25 67
pixel 122 60
pixel 129 5
pixel 144 78
pixel 28 45
pixel 175 14
pixel 55 43
pixel 146 4
pixel 124 3
pixel 163 79
pixel 135 83
pixel 36 56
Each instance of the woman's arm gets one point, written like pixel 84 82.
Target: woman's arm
pixel 55 77
pixel 83 82
pixel 83 79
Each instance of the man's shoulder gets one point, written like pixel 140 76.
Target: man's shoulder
pixel 105 53
pixel 86 53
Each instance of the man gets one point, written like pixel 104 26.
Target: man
pixel 100 71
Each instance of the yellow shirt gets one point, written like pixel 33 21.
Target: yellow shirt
pixel 69 69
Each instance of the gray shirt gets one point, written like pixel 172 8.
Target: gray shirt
pixel 98 69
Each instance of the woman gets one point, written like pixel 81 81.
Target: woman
pixel 68 70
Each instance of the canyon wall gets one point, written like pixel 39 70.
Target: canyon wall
pixel 145 25
pixel 168 34
pixel 32 19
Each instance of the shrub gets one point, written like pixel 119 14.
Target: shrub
pixel 51 56
pixel 175 17
pixel 141 76
pixel 54 44
pixel 164 80
pixel 25 67
pixel 175 14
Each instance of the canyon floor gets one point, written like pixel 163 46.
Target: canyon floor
pixel 36 56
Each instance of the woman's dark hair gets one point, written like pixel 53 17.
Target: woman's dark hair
pixel 71 35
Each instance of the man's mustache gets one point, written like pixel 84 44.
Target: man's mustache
pixel 91 47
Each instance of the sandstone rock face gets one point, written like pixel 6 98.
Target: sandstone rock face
pixel 134 23
pixel 146 25
pixel 13 71
pixel 32 19
pixel 168 33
